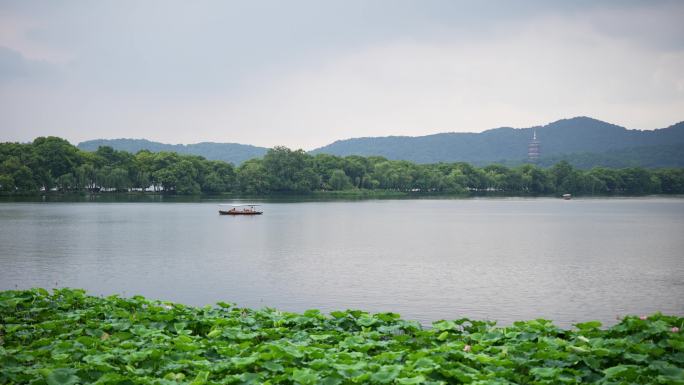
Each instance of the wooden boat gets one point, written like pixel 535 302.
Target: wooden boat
pixel 247 209
pixel 567 197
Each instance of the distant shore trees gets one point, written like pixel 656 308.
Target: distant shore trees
pixel 53 164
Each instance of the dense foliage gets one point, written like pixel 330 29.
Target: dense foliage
pixel 67 337
pixel 53 164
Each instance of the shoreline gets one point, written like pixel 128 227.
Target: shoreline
pixel 286 197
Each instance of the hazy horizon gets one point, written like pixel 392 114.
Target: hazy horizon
pixel 304 74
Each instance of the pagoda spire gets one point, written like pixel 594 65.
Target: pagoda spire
pixel 533 150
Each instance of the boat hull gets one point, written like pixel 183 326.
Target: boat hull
pixel 222 212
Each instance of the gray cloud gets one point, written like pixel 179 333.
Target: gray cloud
pixel 14 66
pixel 304 73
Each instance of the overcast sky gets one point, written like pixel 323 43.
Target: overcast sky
pixel 306 73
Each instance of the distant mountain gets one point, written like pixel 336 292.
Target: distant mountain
pixel 584 142
pixel 228 152
pixel 506 144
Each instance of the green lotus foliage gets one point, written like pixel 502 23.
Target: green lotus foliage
pixel 68 337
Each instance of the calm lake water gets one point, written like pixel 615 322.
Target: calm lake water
pixel 498 259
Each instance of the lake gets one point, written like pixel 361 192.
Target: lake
pixel 427 259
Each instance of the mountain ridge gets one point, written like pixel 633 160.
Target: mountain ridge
pixel 235 153
pixel 579 136
pixel 574 135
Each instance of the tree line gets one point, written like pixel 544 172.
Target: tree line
pixel 52 163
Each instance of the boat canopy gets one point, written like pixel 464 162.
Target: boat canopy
pixel 243 205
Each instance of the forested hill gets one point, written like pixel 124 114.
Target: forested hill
pixel 568 136
pixel 583 142
pixel 227 152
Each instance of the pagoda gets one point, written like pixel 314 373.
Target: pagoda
pixel 533 149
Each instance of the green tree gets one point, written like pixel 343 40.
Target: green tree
pixel 290 171
pixel 252 177
pixel 671 180
pixel 356 167
pixel 324 165
pixel 220 177
pixel 119 180
pixel 566 178
pixel 534 180
pixel 639 181
pixel 86 176
pixel 66 182
pixel 340 181
pixel 55 157
pixel 6 183
pixel 456 181
pixel 22 176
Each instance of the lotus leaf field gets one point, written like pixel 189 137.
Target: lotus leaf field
pixel 68 337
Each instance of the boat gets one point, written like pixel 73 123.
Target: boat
pixel 567 197
pixel 245 209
